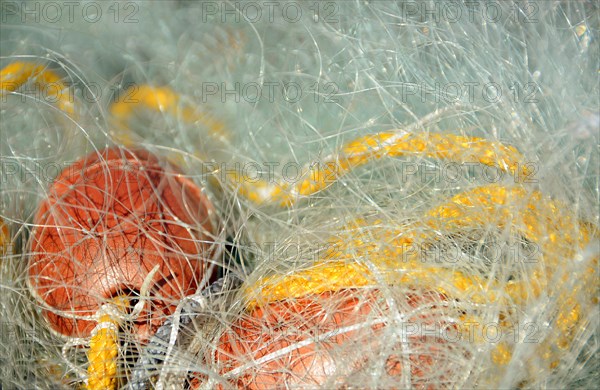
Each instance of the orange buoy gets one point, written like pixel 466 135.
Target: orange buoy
pixel 109 220
pixel 324 340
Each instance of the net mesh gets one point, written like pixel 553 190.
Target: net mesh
pixel 364 194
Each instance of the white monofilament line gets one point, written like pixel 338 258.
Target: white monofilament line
pixel 413 48
pixel 284 351
pixel 160 384
pixel 113 313
pixel 266 193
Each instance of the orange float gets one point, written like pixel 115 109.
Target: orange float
pixel 324 340
pixel 107 222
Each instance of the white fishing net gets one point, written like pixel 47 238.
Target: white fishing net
pixel 285 194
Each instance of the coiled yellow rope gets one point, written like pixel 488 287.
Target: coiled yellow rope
pixel 537 218
pixel 482 206
pixel 551 225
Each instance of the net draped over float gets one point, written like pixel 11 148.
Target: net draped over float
pixel 375 237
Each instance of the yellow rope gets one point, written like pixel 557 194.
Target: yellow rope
pixel 537 218
pixel 14 75
pixel 161 99
pixel 532 215
pixel 390 253
pixel 454 148
pixel 104 348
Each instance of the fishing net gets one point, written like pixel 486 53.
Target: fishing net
pixel 353 194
